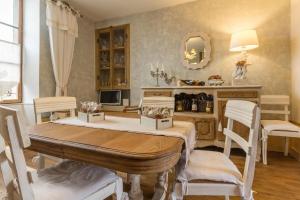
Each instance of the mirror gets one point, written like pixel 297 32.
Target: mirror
pixel 195 50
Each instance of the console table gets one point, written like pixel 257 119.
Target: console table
pixel 209 126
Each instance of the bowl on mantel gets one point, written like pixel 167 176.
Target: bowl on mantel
pixel 192 83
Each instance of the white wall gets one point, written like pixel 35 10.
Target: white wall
pixel 295 67
pixel 31 50
pixel 295 53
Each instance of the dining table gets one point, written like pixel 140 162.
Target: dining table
pixel 129 152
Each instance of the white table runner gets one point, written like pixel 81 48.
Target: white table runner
pixel 184 130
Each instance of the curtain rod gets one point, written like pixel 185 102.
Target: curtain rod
pixel 74 11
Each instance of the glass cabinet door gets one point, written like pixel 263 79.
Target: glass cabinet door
pixel 119 58
pixel 112 58
pixel 104 59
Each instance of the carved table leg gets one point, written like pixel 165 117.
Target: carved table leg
pixel 161 187
pixel 135 192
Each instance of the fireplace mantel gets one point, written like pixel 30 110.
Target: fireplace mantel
pixel 203 87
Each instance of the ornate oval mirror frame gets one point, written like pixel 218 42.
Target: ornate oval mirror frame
pixel 207 47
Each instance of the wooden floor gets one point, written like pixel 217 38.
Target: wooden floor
pixel 280 180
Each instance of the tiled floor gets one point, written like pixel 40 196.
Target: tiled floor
pixel 280 180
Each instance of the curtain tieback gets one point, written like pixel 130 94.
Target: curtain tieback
pixel 61 90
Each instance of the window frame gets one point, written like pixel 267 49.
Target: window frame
pixel 20 39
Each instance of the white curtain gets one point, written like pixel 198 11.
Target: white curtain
pixel 63 29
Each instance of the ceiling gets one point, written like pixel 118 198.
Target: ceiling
pixel 99 10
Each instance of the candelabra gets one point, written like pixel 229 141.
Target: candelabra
pixel 160 73
pixel 156 74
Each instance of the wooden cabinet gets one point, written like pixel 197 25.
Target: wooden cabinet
pixel 157 93
pixel 113 58
pixel 205 128
pixel 237 94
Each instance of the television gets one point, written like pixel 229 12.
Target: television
pixel 110 97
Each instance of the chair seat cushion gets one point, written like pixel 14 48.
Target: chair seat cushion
pixel 279 125
pixel 211 166
pixel 71 180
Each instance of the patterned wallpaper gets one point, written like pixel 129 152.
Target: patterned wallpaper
pixel 47 82
pixel 156 37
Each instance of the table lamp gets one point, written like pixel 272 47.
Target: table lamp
pixel 242 41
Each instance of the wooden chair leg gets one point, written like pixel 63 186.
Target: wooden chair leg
pixel 286 148
pixel 248 195
pixel 122 196
pixel 177 193
pixel 39 161
pixel 264 147
pixel 118 189
pixel 249 198
pixel 259 147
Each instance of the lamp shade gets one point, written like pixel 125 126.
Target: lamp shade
pixel 244 40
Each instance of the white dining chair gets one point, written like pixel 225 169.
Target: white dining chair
pixel 158 101
pixel 154 102
pixel 67 180
pixel 212 173
pixel 282 128
pixel 52 106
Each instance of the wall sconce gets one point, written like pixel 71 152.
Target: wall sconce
pixel 242 41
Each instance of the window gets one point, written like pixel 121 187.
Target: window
pixel 10 50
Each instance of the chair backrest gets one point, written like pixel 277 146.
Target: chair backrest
pixel 158 101
pixel 13 165
pixel 53 104
pixel 248 114
pixel 276 100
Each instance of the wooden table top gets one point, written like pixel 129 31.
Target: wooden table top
pixel 119 150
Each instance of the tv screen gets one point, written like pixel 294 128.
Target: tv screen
pixel 111 97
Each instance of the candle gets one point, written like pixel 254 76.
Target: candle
pixel 162 68
pixel 152 68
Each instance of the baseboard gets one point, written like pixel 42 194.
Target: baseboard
pixel 294 153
